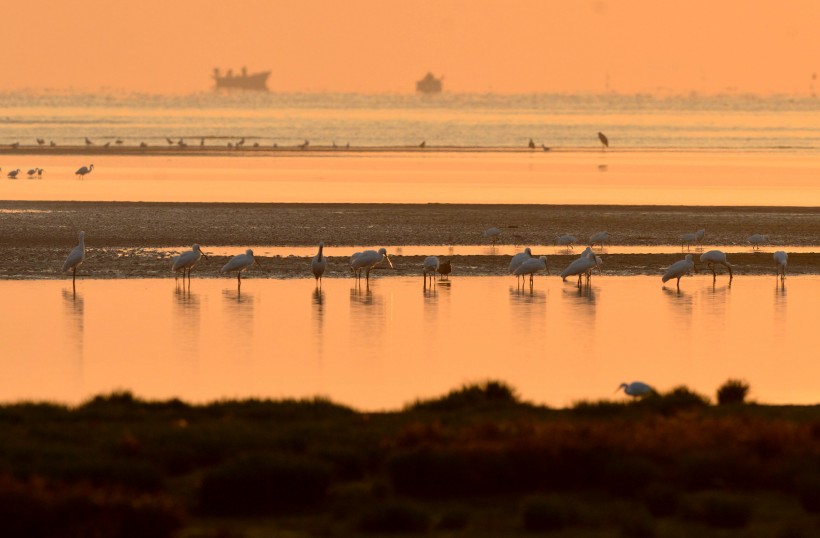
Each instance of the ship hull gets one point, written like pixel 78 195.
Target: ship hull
pixel 257 81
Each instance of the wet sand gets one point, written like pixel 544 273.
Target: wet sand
pixel 128 239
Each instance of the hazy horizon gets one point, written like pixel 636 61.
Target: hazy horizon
pixel 372 47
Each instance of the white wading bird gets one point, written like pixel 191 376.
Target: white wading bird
pixel 678 269
pixel 187 260
pixel 581 266
pixel 319 263
pixel 430 267
pixel 780 260
pixel 518 259
pixel 75 258
pixel 492 234
pixel 566 240
pixel 239 263
pixel 756 240
pixel 690 238
pixel 635 389
pixel 367 260
pixel 532 266
pixel 599 239
pixel 716 257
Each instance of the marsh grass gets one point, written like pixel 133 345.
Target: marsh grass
pixel 671 457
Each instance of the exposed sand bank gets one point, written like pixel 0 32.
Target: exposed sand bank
pixel 36 236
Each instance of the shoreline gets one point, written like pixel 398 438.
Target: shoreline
pixel 134 239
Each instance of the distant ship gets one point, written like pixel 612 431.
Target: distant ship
pixel 243 81
pixel 429 84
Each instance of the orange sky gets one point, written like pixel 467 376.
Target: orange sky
pixel 377 46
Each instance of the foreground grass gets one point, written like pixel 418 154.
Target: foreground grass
pixel 476 462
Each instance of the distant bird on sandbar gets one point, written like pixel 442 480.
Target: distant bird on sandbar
pixel 182 143
pixel 75 258
pixel 635 389
pixel 678 269
pixel 52 143
pixel 756 240
pixel 689 238
pixel 716 257
pixel 106 144
pixel 304 144
pixel 40 173
pixel 566 240
pixel 367 260
pixel 187 260
pixel 599 239
pixel 13 174
pixel 118 142
pixel 40 141
pixel 530 267
pixel 88 142
pixel 15 145
pixel 201 141
pixel 170 142
pixel 444 269
pixel 780 260
pixel 143 145
pixel 423 144
pixel 239 263
pixel 83 171
pixel 32 172
pixel 492 234
pixel 531 145
pixel 545 148
pixel 319 263
pixel 604 140
pixel 430 267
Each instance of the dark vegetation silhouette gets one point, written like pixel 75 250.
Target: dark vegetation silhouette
pixel 477 458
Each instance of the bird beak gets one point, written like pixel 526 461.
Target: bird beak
pixel 388 261
pixel 203 255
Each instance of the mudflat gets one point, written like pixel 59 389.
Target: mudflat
pixel 129 239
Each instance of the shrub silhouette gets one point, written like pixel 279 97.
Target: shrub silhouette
pixel 734 391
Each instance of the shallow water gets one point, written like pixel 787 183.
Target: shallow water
pixel 384 346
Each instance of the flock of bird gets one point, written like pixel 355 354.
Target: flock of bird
pixel 38 172
pixel 522 264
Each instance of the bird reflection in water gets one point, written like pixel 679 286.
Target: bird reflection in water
pixel 362 296
pixel 238 297
pixel 75 313
pixel 183 295
pixel 318 298
pixel 527 295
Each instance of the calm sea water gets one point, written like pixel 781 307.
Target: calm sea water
pixel 382 346
pixel 560 121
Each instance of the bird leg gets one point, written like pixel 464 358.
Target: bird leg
pixel 74 275
pixel 731 276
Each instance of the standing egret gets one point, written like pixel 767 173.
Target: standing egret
pixel 566 240
pixel 604 140
pixel 239 263
pixel 716 257
pixel 532 266
pixel 367 260
pixel 431 265
pixel 83 171
pixel 319 263
pixel 444 269
pixel 780 260
pixel 518 259
pixel 635 389
pixel 75 258
pixel 756 240
pixel 599 239
pixel 678 269
pixel 492 234
pixel 13 174
pixel 187 260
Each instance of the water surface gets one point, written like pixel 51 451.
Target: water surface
pixel 382 346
